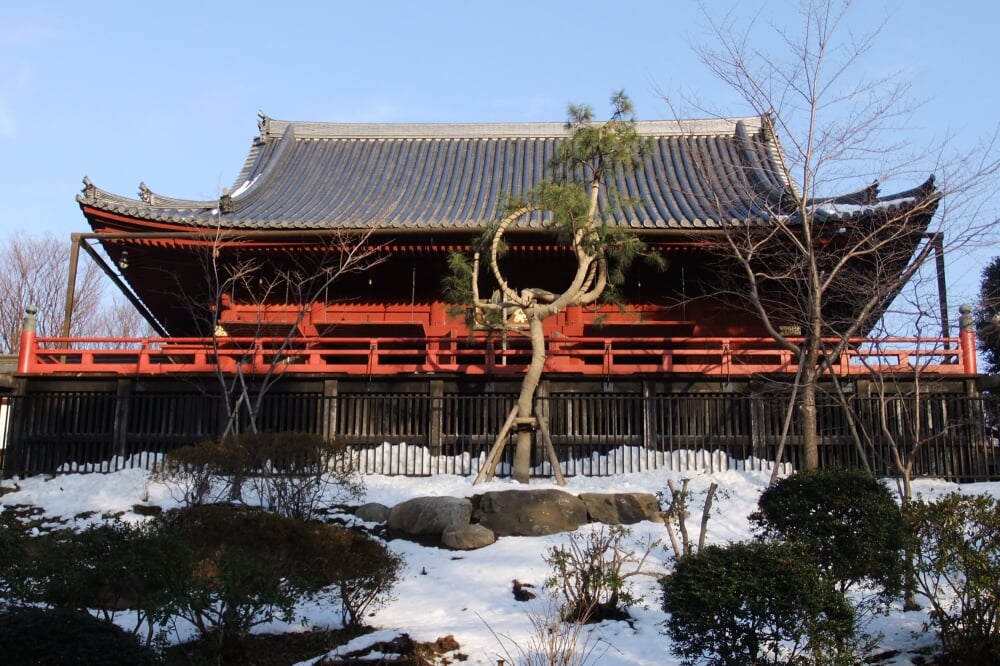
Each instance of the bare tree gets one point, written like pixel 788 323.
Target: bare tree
pixel 289 279
pixel 33 271
pixel 907 420
pixel 119 319
pixel 569 197
pixel 818 272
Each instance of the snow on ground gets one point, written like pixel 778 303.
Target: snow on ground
pixel 468 594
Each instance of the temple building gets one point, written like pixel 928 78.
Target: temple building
pixel 323 267
pixel 308 193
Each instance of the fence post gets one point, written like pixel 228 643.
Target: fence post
pixel 123 396
pixel 329 412
pixel 648 417
pixel 28 334
pixel 543 409
pixel 967 339
pixel 436 396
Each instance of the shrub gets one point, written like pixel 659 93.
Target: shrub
pixel 754 603
pixel 252 566
pixel 957 566
pixel 202 473
pixel 30 636
pixel 106 568
pixel 292 473
pixel 676 514
pixel 589 574
pixel 360 570
pixel 848 521
pixel 11 550
pixel 552 640
pixel 17 523
pixel 243 572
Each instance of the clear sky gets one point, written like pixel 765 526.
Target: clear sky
pixel 168 93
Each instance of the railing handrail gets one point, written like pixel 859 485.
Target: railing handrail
pixel 582 355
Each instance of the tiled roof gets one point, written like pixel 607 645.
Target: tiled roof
pixel 301 175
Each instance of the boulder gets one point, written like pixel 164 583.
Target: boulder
pixel 373 512
pixel 530 512
pixel 467 537
pixel 429 516
pixel 622 508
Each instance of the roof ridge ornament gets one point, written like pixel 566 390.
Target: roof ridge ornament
pixel 89 189
pixel 263 126
pixel 146 194
pixel 928 187
pixel 767 125
pixel 226 203
pixel 871 193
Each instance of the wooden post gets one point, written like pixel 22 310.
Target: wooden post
pixel 967 339
pixel 648 416
pixel 74 260
pixel 329 409
pixel 123 397
pixel 543 405
pixel 436 425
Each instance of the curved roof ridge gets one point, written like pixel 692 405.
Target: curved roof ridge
pixel 263 171
pixel 91 194
pixel 273 129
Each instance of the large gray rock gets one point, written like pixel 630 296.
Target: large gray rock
pixel 373 512
pixel 622 508
pixel 429 516
pixel 530 512
pixel 467 537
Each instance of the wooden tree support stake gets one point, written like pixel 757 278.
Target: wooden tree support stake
pixel 543 429
pixel 489 467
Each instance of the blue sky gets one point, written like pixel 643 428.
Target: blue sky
pixel 167 93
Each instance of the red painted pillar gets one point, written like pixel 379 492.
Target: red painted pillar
pixel 574 320
pixel 27 349
pixel 967 339
pixel 438 314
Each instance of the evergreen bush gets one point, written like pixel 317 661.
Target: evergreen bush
pixel 33 636
pixel 847 521
pixel 359 570
pixel 242 574
pixel 755 603
pixel 106 569
pixel 11 551
pixel 253 566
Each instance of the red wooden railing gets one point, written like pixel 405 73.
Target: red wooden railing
pixel 592 356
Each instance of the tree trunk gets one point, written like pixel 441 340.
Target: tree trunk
pixel 810 432
pixel 910 576
pixel 526 400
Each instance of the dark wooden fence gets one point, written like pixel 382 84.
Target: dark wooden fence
pixel 595 434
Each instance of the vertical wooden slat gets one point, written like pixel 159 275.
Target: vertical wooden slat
pixel 123 401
